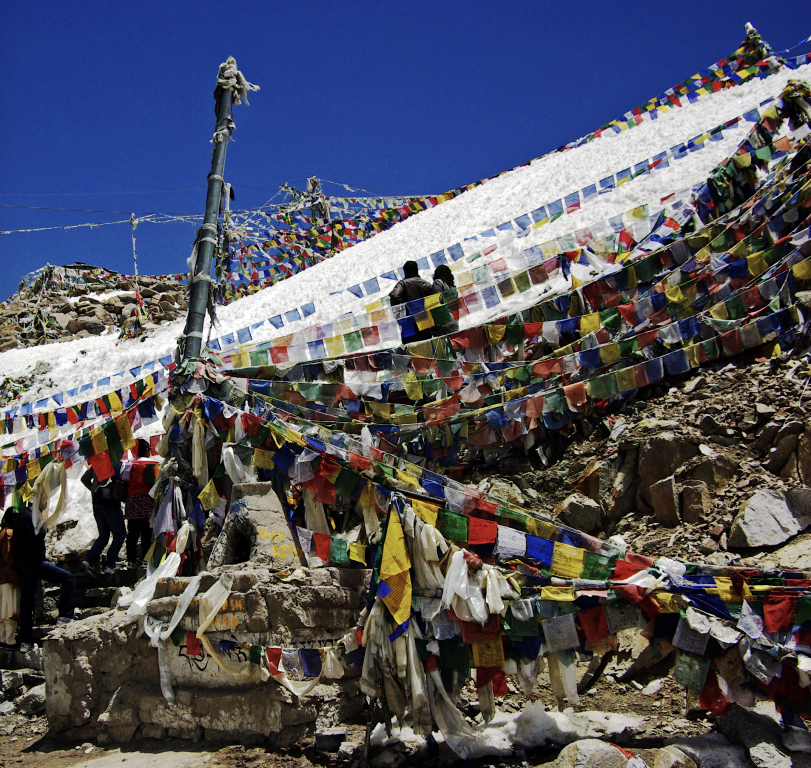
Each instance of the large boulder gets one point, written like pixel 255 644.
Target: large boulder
pixel 579 511
pixel 770 517
pixel 660 457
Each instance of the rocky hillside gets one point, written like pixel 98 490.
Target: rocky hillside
pixel 713 468
pixel 64 303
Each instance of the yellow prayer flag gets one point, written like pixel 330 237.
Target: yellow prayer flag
pixel 757 264
pixel 335 346
pixel 609 353
pixel 209 497
pixel 424 320
pixel 413 387
pixel 433 301
pixel 425 511
pixel 115 402
pixel 122 425
pixel 589 323
pixel 406 478
pixel 541 528
pixel 802 271
pixel 560 594
pixel 98 440
pixel 395 572
pixel 674 294
pixel 357 552
pixel 567 562
pixel 495 333
pixel 263 459
pixel 726 590
pixel 33 469
pixel 720 312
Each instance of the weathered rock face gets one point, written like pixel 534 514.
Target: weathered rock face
pixel 665 500
pixel 659 458
pixel 769 518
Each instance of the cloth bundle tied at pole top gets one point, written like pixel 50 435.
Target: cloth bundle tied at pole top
pixel 230 77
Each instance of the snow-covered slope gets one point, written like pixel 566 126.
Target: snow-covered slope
pixel 515 193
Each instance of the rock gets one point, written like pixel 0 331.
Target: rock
pixel 589 482
pixel 789 471
pixel 129 310
pixel 708 425
pixel 581 512
pixel 150 731
pixel 330 739
pixel 764 520
pixel 618 500
pixel 804 456
pixel 799 499
pixel 507 492
pixel 62 319
pixel 694 384
pixel 764 411
pixel 795 556
pixel 695 501
pixel 778 456
pixel 95 327
pixel 790 427
pixel 715 471
pixel 659 458
pixel 767 436
pixel 766 755
pixel 10 682
pixel 32 702
pixel 707 546
pixel 711 750
pixel 665 500
pixel 672 757
pixel 590 753
pixel 7 707
pixel 388 758
pixel 347 749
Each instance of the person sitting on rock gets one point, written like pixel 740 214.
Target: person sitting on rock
pixel 31 566
pixel 109 520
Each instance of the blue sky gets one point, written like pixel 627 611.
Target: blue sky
pixel 109 107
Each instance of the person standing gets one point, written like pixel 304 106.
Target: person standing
pixel 109 520
pixel 443 281
pixel 31 566
pixel 140 475
pixel 411 287
pixel 9 583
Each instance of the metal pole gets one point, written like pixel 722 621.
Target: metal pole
pixel 198 299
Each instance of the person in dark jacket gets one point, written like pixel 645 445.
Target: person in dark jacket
pixel 411 287
pixel 109 520
pixel 31 565
pixel 443 281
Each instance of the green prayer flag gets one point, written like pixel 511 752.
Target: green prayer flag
pixel 338 551
pixel 452 526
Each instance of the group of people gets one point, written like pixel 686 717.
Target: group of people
pixel 23 561
pixel 412 287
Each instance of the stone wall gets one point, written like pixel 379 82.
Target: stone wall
pixel 102 676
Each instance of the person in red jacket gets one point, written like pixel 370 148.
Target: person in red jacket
pixel 140 476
